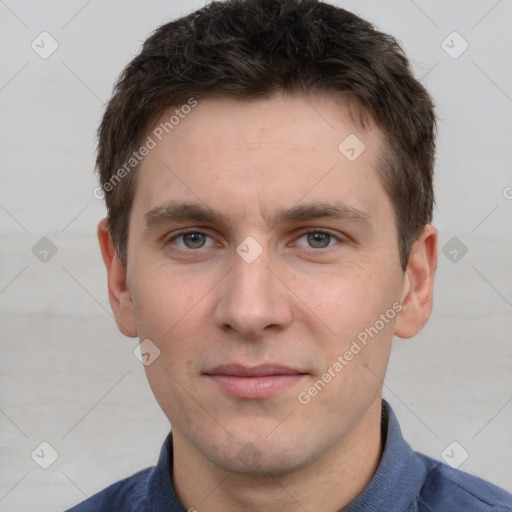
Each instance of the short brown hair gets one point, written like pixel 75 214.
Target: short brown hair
pixel 252 49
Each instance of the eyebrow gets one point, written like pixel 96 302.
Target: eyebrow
pixel 176 211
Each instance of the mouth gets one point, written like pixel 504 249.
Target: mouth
pixel 256 382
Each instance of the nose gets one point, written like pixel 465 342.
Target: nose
pixel 253 299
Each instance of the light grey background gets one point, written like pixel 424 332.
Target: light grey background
pixel 68 377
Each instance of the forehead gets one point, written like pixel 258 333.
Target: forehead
pixel 269 153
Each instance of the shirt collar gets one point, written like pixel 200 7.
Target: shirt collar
pixel 399 476
pixel 160 493
pixel 393 487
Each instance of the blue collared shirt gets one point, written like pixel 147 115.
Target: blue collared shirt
pixel 405 481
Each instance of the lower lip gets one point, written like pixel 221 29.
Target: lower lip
pixel 255 387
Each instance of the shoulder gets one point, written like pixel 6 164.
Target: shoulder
pixel 126 495
pixel 448 489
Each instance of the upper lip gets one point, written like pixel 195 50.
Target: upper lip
pixel 238 370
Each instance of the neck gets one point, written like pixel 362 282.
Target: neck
pixel 328 484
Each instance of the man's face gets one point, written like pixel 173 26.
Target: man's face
pixel 257 254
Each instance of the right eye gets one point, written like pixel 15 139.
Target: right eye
pixel 191 240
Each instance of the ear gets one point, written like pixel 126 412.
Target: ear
pixel 418 285
pixel 118 293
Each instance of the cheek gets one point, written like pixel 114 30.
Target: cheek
pixel 170 312
pixel 351 304
pixel 348 299
pixel 163 298
pixel 174 310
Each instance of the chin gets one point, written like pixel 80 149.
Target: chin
pixel 261 457
pixel 268 464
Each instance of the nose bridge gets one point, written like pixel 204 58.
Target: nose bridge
pixel 252 298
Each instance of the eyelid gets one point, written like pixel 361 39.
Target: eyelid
pixel 314 229
pixel 184 231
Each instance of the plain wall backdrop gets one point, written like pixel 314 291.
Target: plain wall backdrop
pixel 70 379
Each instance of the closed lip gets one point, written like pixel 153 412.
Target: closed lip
pixel 262 370
pixel 254 382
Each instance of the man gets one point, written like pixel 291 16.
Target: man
pixel 267 168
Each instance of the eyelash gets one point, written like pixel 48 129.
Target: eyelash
pixel 176 236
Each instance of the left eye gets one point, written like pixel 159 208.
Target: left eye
pixel 318 239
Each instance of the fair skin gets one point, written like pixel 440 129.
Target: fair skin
pixel 247 442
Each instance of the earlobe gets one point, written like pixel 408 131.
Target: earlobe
pixel 418 286
pixel 119 296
